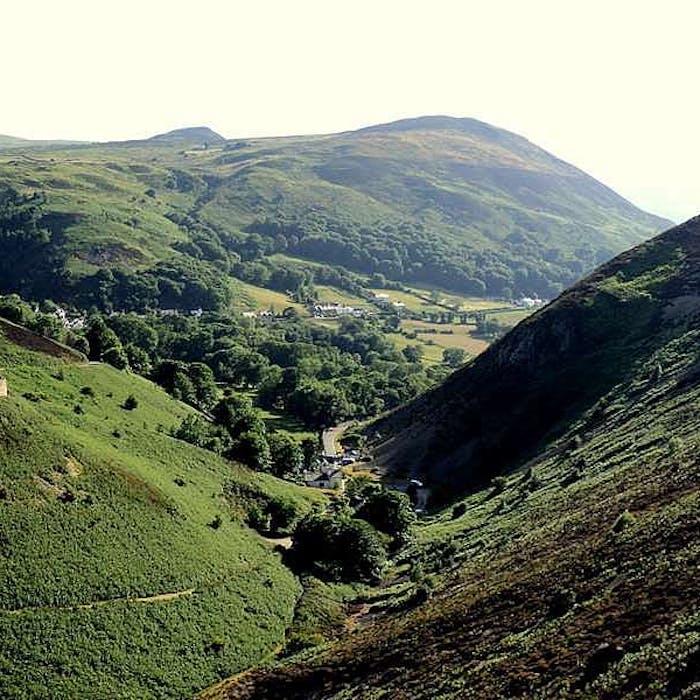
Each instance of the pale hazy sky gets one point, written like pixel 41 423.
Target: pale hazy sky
pixel 610 86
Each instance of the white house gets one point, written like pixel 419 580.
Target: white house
pixel 326 478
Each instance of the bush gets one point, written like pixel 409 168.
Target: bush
pixel 130 403
pixel 623 522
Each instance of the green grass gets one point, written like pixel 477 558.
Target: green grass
pixel 101 506
pixel 248 297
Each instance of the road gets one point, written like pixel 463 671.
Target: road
pixel 330 438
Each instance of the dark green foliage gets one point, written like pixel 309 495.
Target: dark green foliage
pixel 192 382
pixel 286 456
pixel 454 357
pixel 283 515
pixel 389 512
pixel 116 356
pixel 339 547
pixel 459 510
pixel 251 448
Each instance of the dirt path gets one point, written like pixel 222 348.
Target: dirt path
pixel 285 542
pixel 160 598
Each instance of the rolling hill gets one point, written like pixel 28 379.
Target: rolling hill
pixel 454 203
pixel 567 566
pixel 126 566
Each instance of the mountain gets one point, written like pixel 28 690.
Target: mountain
pixel 567 566
pixel 10 142
pixel 127 568
pixel 452 203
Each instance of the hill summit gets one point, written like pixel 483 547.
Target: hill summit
pixel 191 134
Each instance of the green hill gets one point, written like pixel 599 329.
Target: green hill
pixel 450 202
pixel 567 566
pixel 126 567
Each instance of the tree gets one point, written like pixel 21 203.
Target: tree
pixel 101 338
pixel 283 514
pixel 390 512
pixel 362 553
pixel 319 404
pixel 413 353
pixel 139 361
pixel 286 455
pixel 339 547
pixel 116 357
pixel 204 385
pixel 454 357
pixel 309 449
pixel 130 403
pixel 252 449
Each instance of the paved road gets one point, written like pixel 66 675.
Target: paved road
pixel 330 438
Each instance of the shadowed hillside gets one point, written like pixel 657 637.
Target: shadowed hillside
pixel 550 369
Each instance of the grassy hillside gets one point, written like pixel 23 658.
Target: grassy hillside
pixel 125 568
pixel 573 573
pixel 447 202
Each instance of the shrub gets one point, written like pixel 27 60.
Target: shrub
pixel 130 403
pixel 499 484
pixel 339 547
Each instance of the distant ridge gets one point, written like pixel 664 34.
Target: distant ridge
pixel 193 134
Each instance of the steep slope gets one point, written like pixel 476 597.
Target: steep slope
pixel 126 570
pixel 449 202
pixel 551 368
pixel 575 574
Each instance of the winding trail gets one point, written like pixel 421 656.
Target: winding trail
pixel 160 598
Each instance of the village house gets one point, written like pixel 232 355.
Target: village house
pixel 326 478
pixel 335 310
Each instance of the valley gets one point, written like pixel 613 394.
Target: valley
pixel 189 324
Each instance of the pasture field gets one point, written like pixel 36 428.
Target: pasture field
pixel 447 335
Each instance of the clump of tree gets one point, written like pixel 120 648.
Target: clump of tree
pixel 389 512
pixel 339 547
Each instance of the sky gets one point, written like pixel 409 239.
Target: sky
pixel 608 86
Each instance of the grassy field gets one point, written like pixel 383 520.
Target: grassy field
pixel 248 297
pixel 114 582
pixel 447 335
pixel 333 295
